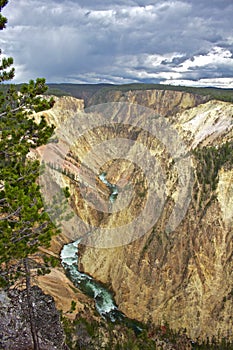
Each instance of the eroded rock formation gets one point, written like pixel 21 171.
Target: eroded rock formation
pixel 184 277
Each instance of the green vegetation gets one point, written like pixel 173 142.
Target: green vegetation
pixel 213 93
pixel 73 306
pixel 210 161
pixel 83 91
pixel 95 93
pixel 92 334
pixel 107 93
pixel 5 73
pixel 24 224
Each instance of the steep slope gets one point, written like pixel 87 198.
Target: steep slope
pixel 163 102
pixel 64 108
pixel 183 277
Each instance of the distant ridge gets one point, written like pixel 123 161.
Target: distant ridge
pixel 87 91
pixel 82 91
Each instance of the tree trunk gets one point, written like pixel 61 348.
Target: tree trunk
pixel 30 306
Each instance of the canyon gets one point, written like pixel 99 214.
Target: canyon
pixel 182 276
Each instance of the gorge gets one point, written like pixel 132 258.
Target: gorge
pixel 184 277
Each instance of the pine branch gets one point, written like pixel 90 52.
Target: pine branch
pixel 16 212
pixel 12 111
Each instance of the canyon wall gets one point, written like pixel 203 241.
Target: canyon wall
pixel 183 277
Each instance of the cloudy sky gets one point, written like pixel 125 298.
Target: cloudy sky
pixel 186 42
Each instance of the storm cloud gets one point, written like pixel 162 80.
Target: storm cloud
pixel 186 42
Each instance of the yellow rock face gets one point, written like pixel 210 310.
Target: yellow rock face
pixel 185 277
pixel 225 195
pixel 163 102
pixel 63 108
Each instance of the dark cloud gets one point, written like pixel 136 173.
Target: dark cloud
pixel 121 40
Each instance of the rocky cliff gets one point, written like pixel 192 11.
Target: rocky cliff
pixel 64 108
pixel 183 277
pixel 163 102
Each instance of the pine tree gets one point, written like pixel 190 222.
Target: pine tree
pixel 5 62
pixel 24 223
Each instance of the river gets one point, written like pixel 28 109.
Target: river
pixel 104 300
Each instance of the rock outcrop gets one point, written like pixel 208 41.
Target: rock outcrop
pixel 64 108
pixel 15 322
pixel 163 102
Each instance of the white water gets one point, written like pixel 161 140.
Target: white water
pixel 113 188
pixel 104 301
pixel 69 257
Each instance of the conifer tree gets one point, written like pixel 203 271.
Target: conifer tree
pixel 5 62
pixel 24 223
